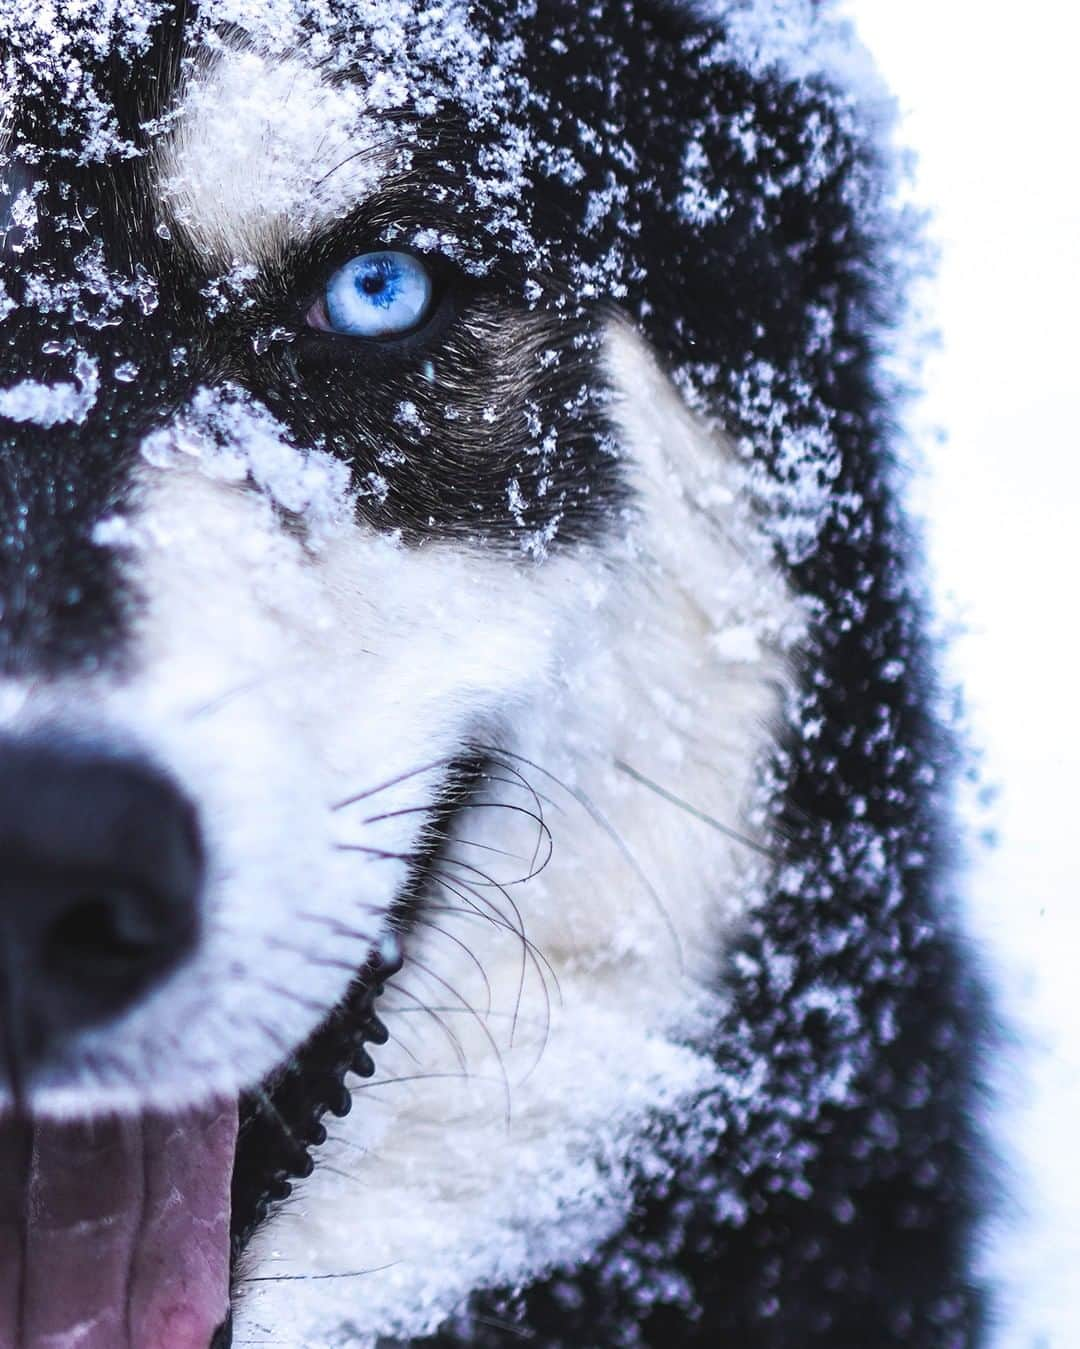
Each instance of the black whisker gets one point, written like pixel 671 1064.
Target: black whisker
pixel 397 814
pixel 697 814
pixel 543 830
pixel 422 1006
pixel 529 952
pixel 424 921
pixel 488 847
pixel 488 913
pixel 506 1327
pixel 484 1029
pixel 488 881
pixel 381 853
pixel 598 818
pixel 228 696
pixel 520 780
pixel 461 1011
pixel 520 933
pixel 311 1278
pixel 393 782
pixel 431 1077
pixel 525 784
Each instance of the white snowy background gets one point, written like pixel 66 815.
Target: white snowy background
pixel 987 95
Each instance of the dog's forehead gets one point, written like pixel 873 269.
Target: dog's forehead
pixel 131 132
pixel 273 139
pixel 266 151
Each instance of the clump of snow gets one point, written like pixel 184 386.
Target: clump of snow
pixel 363 61
pixel 698 203
pixel 234 439
pixel 54 51
pixel 49 404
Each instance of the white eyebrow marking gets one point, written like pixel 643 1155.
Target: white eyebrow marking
pixel 265 150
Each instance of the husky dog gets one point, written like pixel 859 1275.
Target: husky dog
pixel 474 824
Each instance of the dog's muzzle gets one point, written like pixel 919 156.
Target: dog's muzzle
pixel 114 1232
pixel 101 872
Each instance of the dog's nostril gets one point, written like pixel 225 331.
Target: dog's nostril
pixel 100 884
pixel 111 935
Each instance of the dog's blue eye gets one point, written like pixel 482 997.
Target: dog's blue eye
pixel 375 295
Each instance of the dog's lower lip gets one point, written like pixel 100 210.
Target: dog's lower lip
pixel 115 1231
pixel 280 1122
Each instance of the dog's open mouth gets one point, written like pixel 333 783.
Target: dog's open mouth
pixel 121 1233
pixel 125 1232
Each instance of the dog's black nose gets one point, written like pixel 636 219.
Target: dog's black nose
pixel 101 868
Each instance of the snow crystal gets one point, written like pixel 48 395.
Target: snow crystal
pixel 698 204
pixel 52 48
pixel 741 644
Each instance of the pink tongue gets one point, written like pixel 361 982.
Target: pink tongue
pixel 115 1234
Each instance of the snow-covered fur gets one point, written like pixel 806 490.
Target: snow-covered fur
pixel 553 669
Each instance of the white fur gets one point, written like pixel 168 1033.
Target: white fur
pixel 269 145
pixel 275 674
pixel 428 1183
pixel 266 151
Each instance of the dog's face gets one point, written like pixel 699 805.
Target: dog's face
pixel 354 463
pixel 352 535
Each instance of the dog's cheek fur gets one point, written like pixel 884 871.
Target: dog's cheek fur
pixel 274 675
pixel 520 1078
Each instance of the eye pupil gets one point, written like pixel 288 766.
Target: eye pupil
pixel 376 295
